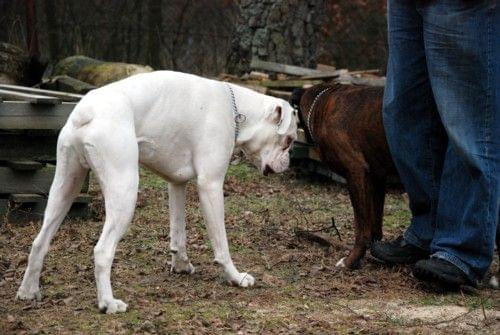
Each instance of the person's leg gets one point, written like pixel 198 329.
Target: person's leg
pixel 413 128
pixel 460 41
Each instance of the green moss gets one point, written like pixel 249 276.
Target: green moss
pixel 242 171
pixel 149 179
pixel 471 302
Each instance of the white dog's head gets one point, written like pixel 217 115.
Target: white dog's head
pixel 268 142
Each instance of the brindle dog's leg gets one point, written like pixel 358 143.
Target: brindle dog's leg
pixel 361 191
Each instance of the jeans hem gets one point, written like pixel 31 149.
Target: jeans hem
pixel 457 262
pixel 414 240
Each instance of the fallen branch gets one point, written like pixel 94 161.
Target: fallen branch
pixel 308 235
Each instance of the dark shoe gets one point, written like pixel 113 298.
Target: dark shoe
pixel 397 252
pixel 442 272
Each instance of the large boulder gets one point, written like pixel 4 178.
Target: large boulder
pixel 96 72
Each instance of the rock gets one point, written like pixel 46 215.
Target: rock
pixel 96 72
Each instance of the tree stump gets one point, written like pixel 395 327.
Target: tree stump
pixel 283 31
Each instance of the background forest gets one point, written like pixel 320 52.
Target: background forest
pixel 203 36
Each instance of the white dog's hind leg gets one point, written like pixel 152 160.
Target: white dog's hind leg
pixel 67 183
pixel 115 162
pixel 177 204
pixel 212 203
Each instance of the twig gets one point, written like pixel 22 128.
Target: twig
pixel 308 235
pixel 336 230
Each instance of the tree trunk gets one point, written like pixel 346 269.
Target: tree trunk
pixel 52 30
pixel 31 29
pixel 281 31
pixel 154 33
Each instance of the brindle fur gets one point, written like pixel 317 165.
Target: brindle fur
pixel 348 131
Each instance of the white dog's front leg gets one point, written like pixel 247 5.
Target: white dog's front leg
pixel 177 204
pixel 212 203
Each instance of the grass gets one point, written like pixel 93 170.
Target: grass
pixel 298 288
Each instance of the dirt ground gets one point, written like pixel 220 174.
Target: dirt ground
pixel 298 288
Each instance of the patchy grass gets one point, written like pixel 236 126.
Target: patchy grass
pixel 298 288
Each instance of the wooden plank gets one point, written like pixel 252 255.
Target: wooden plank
pixel 255 88
pixel 325 67
pixel 33 98
pixel 289 83
pixel 38 182
pixel 27 197
pixel 326 75
pixel 65 96
pixel 323 76
pixel 280 94
pixel 21 115
pixel 369 81
pixel 25 165
pixel 283 68
pixel 34 182
pixel 255 75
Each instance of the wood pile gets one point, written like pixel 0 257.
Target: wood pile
pixel 30 120
pixel 280 80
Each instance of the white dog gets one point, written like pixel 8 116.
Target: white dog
pixel 178 125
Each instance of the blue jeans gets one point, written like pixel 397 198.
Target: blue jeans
pixel 442 119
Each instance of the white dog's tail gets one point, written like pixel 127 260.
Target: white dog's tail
pixel 82 115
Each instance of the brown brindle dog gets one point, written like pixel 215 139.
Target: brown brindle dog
pixel 345 123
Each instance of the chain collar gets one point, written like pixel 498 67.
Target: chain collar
pixel 311 108
pixel 238 118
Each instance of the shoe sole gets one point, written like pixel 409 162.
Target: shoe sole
pixel 450 282
pixel 386 259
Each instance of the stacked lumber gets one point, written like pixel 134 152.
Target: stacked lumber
pixel 30 120
pixel 280 80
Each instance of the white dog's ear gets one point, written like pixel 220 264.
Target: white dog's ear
pixel 282 116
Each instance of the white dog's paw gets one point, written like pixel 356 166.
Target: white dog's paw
pixel 341 263
pixel 27 294
pixel 242 279
pixel 181 266
pixel 112 306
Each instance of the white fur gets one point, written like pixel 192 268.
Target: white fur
pixel 182 127
pixel 341 263
pixel 494 282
